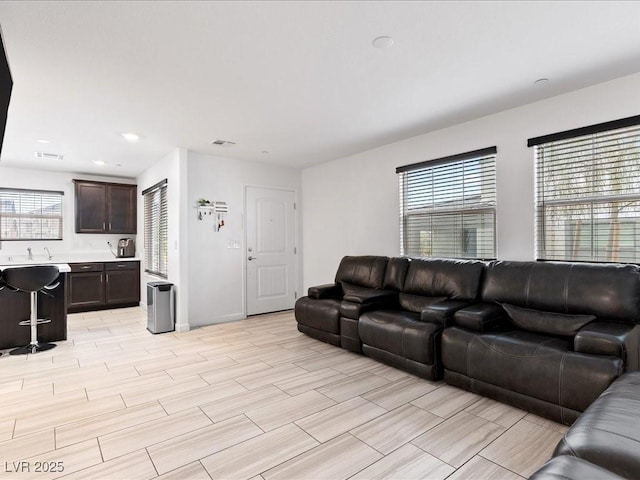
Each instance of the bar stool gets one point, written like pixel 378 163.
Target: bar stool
pixel 34 279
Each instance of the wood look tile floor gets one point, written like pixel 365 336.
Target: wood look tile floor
pixel 253 399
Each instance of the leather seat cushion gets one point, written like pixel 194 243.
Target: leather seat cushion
pixel 400 332
pixel 532 364
pixel 608 432
pixel 321 314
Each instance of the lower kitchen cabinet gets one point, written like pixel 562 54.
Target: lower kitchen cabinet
pixel 97 285
pixel 86 290
pixel 122 283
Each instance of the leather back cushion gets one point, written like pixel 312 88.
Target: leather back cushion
pixel 562 324
pixel 396 273
pixel 604 290
pixel 364 271
pixel 453 279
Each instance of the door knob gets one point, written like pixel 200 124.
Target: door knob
pixel 251 258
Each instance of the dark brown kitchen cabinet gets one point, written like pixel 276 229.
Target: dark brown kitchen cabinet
pixel 91 207
pixel 105 207
pixel 122 283
pixel 97 285
pixel 121 209
pixel 86 285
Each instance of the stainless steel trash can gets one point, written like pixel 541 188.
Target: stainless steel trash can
pixel 160 309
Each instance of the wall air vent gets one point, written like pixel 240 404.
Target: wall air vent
pixel 221 143
pixel 48 156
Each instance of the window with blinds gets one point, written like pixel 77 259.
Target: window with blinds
pixel 448 206
pixel 30 215
pixel 588 193
pixel 156 244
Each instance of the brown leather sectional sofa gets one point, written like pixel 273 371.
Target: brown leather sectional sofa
pixel 604 442
pixel 547 337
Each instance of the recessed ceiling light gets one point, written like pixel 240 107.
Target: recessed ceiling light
pixel 98 162
pixel 42 140
pixel 382 42
pixel 131 137
pixel 541 81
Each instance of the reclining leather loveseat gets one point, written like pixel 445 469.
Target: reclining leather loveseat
pixel 393 310
pixel 547 337
pixel 406 332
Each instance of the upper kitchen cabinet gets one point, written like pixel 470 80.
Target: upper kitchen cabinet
pixel 105 207
pixel 121 209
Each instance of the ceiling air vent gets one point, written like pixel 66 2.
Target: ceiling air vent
pixel 221 143
pixel 49 156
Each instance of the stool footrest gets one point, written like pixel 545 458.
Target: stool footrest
pixel 40 321
pixel 32 348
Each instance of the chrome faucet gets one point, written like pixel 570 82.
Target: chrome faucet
pixel 30 254
pixel 48 253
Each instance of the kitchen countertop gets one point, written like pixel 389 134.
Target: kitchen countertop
pixel 62 259
pixel 105 260
pixel 62 267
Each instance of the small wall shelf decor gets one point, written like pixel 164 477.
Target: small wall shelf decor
pixel 216 209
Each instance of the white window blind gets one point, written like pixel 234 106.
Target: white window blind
pixel 30 215
pixel 156 244
pixel 588 193
pixel 448 206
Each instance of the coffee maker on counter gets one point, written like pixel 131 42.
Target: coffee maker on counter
pixel 126 248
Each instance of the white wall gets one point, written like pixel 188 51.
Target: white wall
pixel 71 243
pixel 350 205
pixel 172 167
pixel 216 272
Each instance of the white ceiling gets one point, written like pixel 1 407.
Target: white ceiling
pixel 300 80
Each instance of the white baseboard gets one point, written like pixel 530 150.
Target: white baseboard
pixel 183 327
pixel 212 321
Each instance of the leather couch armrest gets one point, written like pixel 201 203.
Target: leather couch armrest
pixel 616 339
pixel 329 290
pixel 442 312
pixel 371 296
pixel 481 317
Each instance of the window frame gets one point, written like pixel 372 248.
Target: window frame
pixel 579 238
pixel 156 231
pixel 53 194
pixel 453 207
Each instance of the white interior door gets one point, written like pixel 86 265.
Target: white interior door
pixel 270 250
